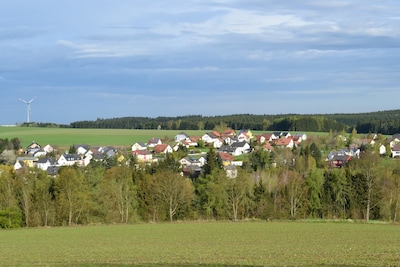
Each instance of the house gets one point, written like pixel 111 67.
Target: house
pixel 52 170
pixel 268 147
pixel 228 133
pixel 43 151
pixel 190 142
pixel 243 137
pixel 153 142
pixel 32 148
pixel 48 148
pixel 139 146
pixel 81 149
pixel 382 150
pixel 226 158
pixel 218 143
pixel 45 163
pixel 284 142
pixel 243 147
pixel 40 153
pixel 246 132
pixel 190 161
pixel 69 160
pixel 395 139
pixel 181 136
pixel 143 155
pixel 396 150
pixel 210 137
pixel 300 136
pixel 267 137
pixel 338 160
pixel 108 151
pixel 235 151
pixel 28 162
pixel 163 149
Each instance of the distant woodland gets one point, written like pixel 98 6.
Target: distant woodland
pixel 384 122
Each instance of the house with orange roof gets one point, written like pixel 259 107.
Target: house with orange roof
pixel 284 142
pixel 162 149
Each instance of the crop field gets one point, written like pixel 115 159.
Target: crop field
pixel 65 137
pixel 205 244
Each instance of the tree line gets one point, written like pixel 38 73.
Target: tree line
pixel 384 122
pixel 284 184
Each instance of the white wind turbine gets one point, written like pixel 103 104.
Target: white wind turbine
pixel 28 106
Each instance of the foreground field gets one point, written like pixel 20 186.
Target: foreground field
pixel 205 244
pixel 64 137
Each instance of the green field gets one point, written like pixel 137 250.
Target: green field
pixel 64 137
pixel 205 244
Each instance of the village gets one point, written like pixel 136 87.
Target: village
pixel 229 144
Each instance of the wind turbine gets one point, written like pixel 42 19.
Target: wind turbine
pixel 28 106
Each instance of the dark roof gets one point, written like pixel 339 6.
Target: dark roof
pixel 53 170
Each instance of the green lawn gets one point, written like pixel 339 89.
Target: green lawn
pixel 64 137
pixel 205 244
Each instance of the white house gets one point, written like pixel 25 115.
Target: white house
pixel 243 147
pixel 382 150
pixel 143 155
pixel 48 148
pixel 181 136
pixel 153 142
pixel 218 143
pixel 45 163
pixel 69 160
pixel 210 137
pixel 139 146
pixel 396 151
pixel 163 149
pixel 81 149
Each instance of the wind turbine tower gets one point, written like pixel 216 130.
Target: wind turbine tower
pixel 28 108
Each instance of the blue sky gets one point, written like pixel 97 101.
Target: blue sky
pixel 90 59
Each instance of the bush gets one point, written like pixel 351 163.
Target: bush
pixel 10 218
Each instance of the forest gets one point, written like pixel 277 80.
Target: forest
pixel 384 122
pixel 283 184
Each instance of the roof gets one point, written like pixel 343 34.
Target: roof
pixel 226 156
pixel 141 152
pixel 160 148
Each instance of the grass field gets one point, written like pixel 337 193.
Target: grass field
pixel 205 244
pixel 64 137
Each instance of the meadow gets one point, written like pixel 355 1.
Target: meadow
pixel 65 137
pixel 205 244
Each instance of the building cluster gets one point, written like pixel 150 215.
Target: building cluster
pixel 229 144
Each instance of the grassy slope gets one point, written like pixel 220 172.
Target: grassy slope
pixel 94 137
pixel 205 244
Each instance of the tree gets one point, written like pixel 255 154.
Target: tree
pixel 24 186
pixel 7 157
pixel 295 192
pixel 213 162
pixel 71 195
pixel 314 182
pixel 335 192
pixel 119 191
pixel 391 193
pixel 174 191
pixel 368 167
pixel 43 196
pixel 239 193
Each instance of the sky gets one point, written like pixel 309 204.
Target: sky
pixel 83 60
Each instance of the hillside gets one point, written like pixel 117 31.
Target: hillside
pixel 385 122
